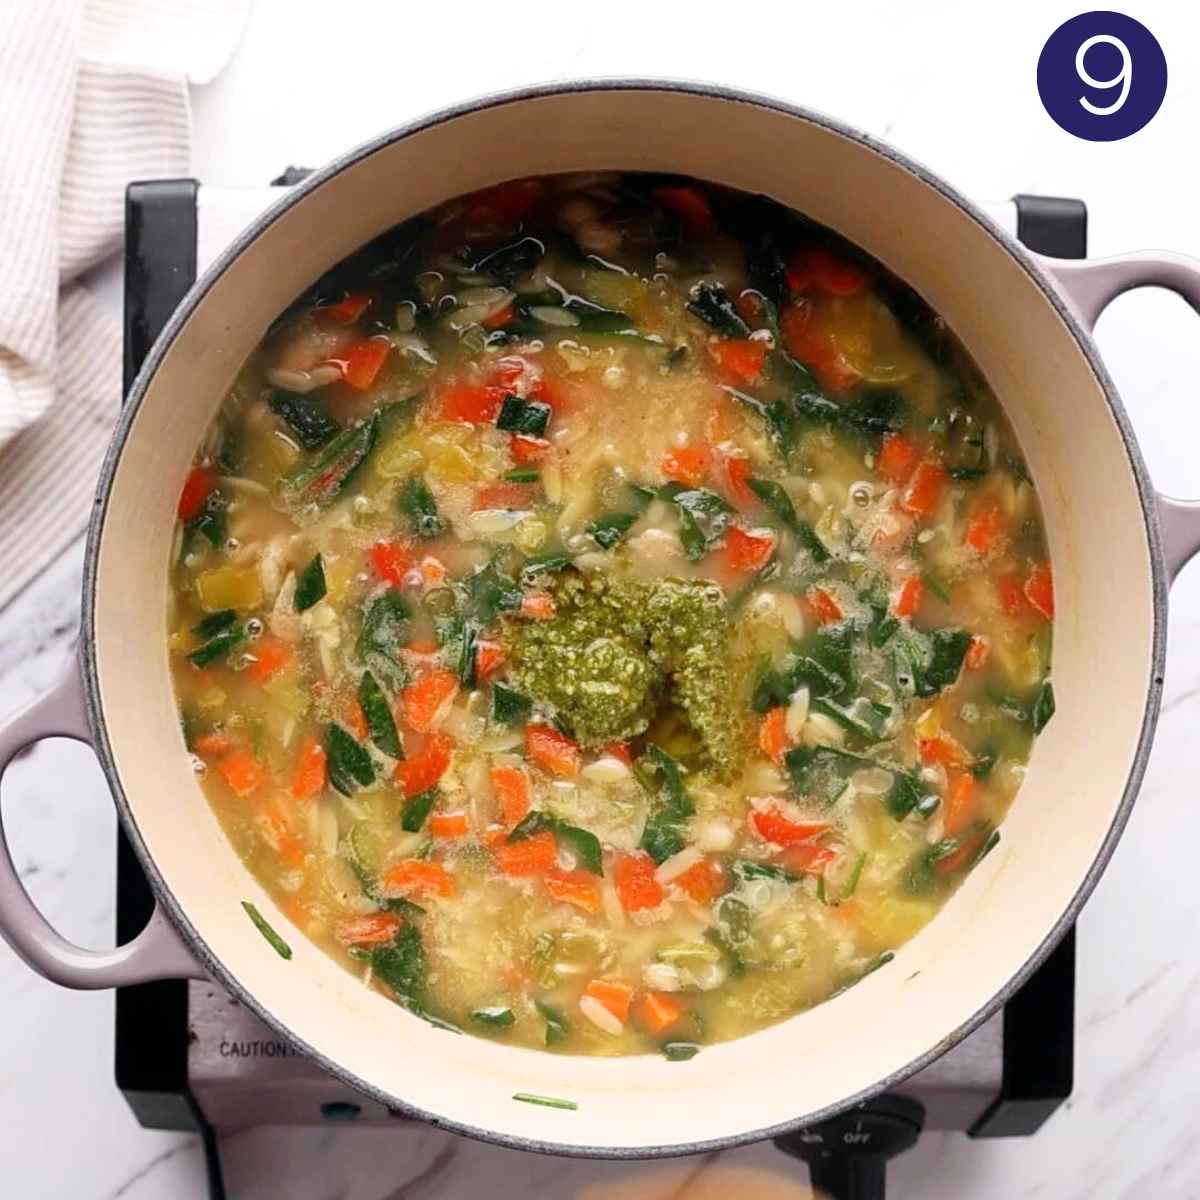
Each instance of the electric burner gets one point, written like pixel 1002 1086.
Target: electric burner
pixel 189 1057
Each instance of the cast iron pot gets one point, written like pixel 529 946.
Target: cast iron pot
pixel 1026 321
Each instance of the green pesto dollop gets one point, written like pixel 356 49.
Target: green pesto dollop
pixel 616 649
pixel 589 662
pixel 689 640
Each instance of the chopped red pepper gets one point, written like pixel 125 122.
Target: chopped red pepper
pixel 897 458
pixel 690 205
pixel 739 360
pixel 347 310
pixel 825 608
pixel 747 552
pixel 687 464
pixel 925 488
pixel 364 360
pixel 772 826
pixel 391 561
pixel 473 403
pixel 813 268
pixel 199 485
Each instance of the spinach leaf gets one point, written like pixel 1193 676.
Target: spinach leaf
pixel 777 416
pixel 512 260
pixel 402 964
pixel 948 649
pixel 1043 706
pixel 557 1027
pixel 874 412
pixel 494 1019
pixel 350 766
pixel 859 715
pixel 529 417
pixel 680 1051
pixel 321 481
pixel 522 475
pixel 378 716
pixel 821 772
pixel 957 854
pixel 542 564
pixel 745 868
pixel 214 623
pixel 217 647
pixel 417 810
pixel 310 586
pixel 671 806
pixel 703 517
pixel 780 503
pixel 265 928
pixel 384 634
pixel 509 707
pixel 609 528
pixel 211 521
pixel 710 302
pixel 908 793
pixel 419 509
pixel 305 416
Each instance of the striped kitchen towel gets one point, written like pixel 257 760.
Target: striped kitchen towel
pixel 93 95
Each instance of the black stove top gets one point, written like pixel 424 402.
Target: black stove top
pixel 188 1057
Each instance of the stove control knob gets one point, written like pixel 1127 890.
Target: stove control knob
pixel 847 1155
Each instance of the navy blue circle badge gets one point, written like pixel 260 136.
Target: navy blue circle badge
pixel 1102 76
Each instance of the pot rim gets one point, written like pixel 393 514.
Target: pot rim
pixel 1023 258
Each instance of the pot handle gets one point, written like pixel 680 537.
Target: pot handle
pixel 156 953
pixel 1091 285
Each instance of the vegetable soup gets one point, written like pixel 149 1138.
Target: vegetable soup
pixel 610 614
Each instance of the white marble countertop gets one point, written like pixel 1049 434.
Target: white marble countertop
pixel 950 83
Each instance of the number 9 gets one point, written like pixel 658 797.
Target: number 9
pixel 1124 77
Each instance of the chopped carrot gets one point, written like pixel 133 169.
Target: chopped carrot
pixel 908 599
pixel 925 488
pixel 212 745
pixel 364 360
pixel 309 779
pixel 813 344
pixel 984 530
pixel 813 268
pixel 374 929
pixel 960 803
pixel 613 994
pixel 825 608
pixel 426 697
pixel 943 749
pixel 737 474
pixel 449 825
pixel 702 882
pixel 347 310
pixel 505 494
pixel 531 856
pixel 475 404
pixel 527 449
pixel 897 458
pixel 242 771
pixel 772 826
pixel 391 561
pixel 1012 598
pixel 421 770
pixel 1039 590
pixel 690 205
pixel 537 606
pixel 284 842
pixel 636 885
pixel 573 887
pixel 747 553
pixel 659 1011
pixel 418 876
pixel 554 752
pixel 807 858
pixel 773 740
pixel 199 485
pixel 739 360
pixel 977 652
pixel 501 316
pixel 355 718
pixel 511 785
pixel 270 655
pixel 489 657
pixel 687 464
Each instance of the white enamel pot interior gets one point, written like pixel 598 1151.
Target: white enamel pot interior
pixel 1061 828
